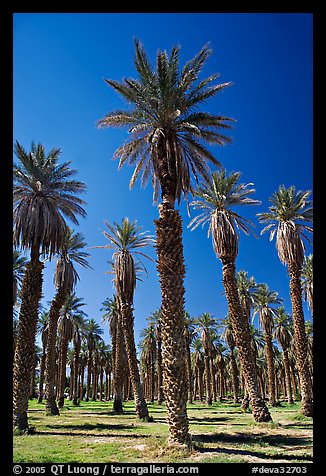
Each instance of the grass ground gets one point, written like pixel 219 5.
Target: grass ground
pixel 91 433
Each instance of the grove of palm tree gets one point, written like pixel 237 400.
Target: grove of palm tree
pixel 256 359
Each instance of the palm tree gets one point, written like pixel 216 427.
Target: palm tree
pixel 155 318
pixel 44 193
pixel 112 315
pixel 189 335
pixel 287 217
pixel 307 280
pixel 148 357
pixel 126 240
pixel 197 358
pixel 43 330
pixel 282 333
pixel 216 198
pixel 65 280
pixel 228 336
pixel 19 263
pixel 263 301
pixel 168 143
pixel 71 316
pixel 93 332
pixel 206 323
pixel 78 332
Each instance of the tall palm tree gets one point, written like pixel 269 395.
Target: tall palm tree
pixel 19 263
pixel 206 323
pixel 307 282
pixel 148 356
pixel 43 330
pixel 288 219
pixel 126 240
pixel 168 144
pixel 282 333
pixel 44 193
pixel 93 332
pixel 78 333
pixel 112 316
pixel 189 335
pixel 228 336
pixel 264 298
pixel 155 318
pixel 65 279
pixel 246 289
pixel 216 199
pixel 71 316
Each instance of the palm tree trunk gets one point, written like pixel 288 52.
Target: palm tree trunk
pixel 159 370
pixel 270 369
pixel 127 320
pixel 117 369
pixel 41 381
pixel 171 271
pixel 242 337
pixel 189 373
pixel 62 371
pixel 89 376
pixel 300 340
pixel 234 372
pixel 76 373
pixel 287 376
pixel 208 380
pixel 50 361
pixel 31 291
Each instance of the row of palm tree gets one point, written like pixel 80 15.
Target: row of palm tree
pixel 215 370
pixel 169 139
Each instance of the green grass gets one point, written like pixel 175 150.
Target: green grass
pixel 91 433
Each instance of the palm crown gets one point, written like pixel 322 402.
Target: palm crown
pixel 168 132
pixel 288 217
pixel 43 193
pixel 216 198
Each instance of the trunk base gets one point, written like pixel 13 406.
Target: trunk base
pixel 307 408
pixel 51 407
pixel 61 402
pixel 117 407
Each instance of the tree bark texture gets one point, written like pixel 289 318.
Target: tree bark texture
pixel 300 340
pixel 171 269
pixel 24 359
pixel 242 338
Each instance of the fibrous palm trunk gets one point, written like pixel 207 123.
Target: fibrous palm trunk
pixel 41 381
pixel 208 379
pixel 242 338
pixel 171 271
pixel 287 376
pixel 50 361
pixel 159 370
pixel 127 319
pixel 89 375
pixel 300 340
pixel 234 372
pixel 62 370
pixel 270 369
pixel 24 359
pixel 118 369
pixel 75 392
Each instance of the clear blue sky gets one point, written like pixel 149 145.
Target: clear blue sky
pixel 60 61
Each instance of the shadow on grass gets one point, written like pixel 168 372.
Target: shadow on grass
pixel 91 426
pixel 273 440
pixel 256 454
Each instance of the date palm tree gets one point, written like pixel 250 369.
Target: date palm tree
pixel 127 239
pixel 93 332
pixel 112 316
pixel 264 298
pixel 168 144
pixel 287 219
pixel 65 280
pixel 43 330
pixel 307 281
pixel 216 199
pixel 44 193
pixel 71 316
pixel 228 336
pixel 155 318
pixel 282 332
pixel 206 324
